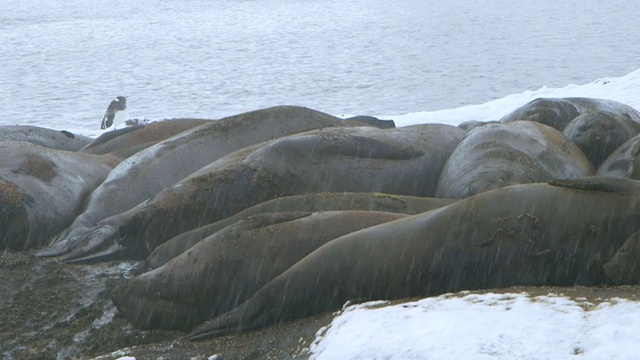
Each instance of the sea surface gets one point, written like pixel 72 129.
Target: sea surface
pixel 62 62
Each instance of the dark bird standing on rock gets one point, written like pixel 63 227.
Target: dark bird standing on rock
pixel 118 104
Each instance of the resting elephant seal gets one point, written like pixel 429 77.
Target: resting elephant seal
pixel 372 121
pixel 228 267
pixel 531 235
pixel 624 266
pixel 624 162
pixel 312 202
pixel 599 133
pixel 496 155
pixel 405 161
pixel 615 107
pixel 129 140
pixel 54 139
pixel 42 189
pixel 148 171
pixel 557 113
pixel 472 124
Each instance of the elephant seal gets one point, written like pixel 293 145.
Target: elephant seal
pixel 598 133
pixel 53 139
pixel 558 112
pixel 404 161
pixel 624 162
pixel 615 107
pixel 147 172
pixel 472 124
pixel 129 140
pixel 228 267
pixel 624 267
pixel 531 235
pixel 311 202
pixel 553 112
pixel 42 189
pixel 372 121
pixel 498 154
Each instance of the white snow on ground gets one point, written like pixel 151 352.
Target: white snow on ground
pixel 484 326
pixel 625 89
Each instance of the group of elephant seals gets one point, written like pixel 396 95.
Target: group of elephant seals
pixel 533 234
pixel 611 106
pixel 228 267
pixel 558 112
pixel 405 161
pixel 53 139
pixel 497 155
pixel 42 189
pixel 157 167
pixel 311 202
pixel 599 133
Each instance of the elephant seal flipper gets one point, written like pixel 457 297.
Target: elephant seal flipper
pixel 245 316
pixel 624 267
pixel 601 184
pixel 98 238
pixel 112 252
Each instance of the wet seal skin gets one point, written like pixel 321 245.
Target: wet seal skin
pixel 624 266
pixel 157 167
pixel 405 161
pixel 310 202
pixel 497 155
pixel 599 133
pixel 470 244
pixel 42 189
pixel 558 112
pixel 228 267
pixel 53 139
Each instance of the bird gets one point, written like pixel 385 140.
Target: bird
pixel 117 105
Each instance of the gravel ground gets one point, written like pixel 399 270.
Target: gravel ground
pixel 51 310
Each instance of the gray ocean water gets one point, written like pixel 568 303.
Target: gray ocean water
pixel 62 62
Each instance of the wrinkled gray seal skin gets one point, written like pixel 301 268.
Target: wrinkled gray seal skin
pixel 404 161
pixel 624 267
pixel 228 267
pixel 372 121
pixel 42 189
pixel 155 168
pixel 497 155
pixel 307 202
pixel 553 112
pixel 529 235
pixel 54 139
pixel 598 133
pixel 129 140
pixel 624 162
